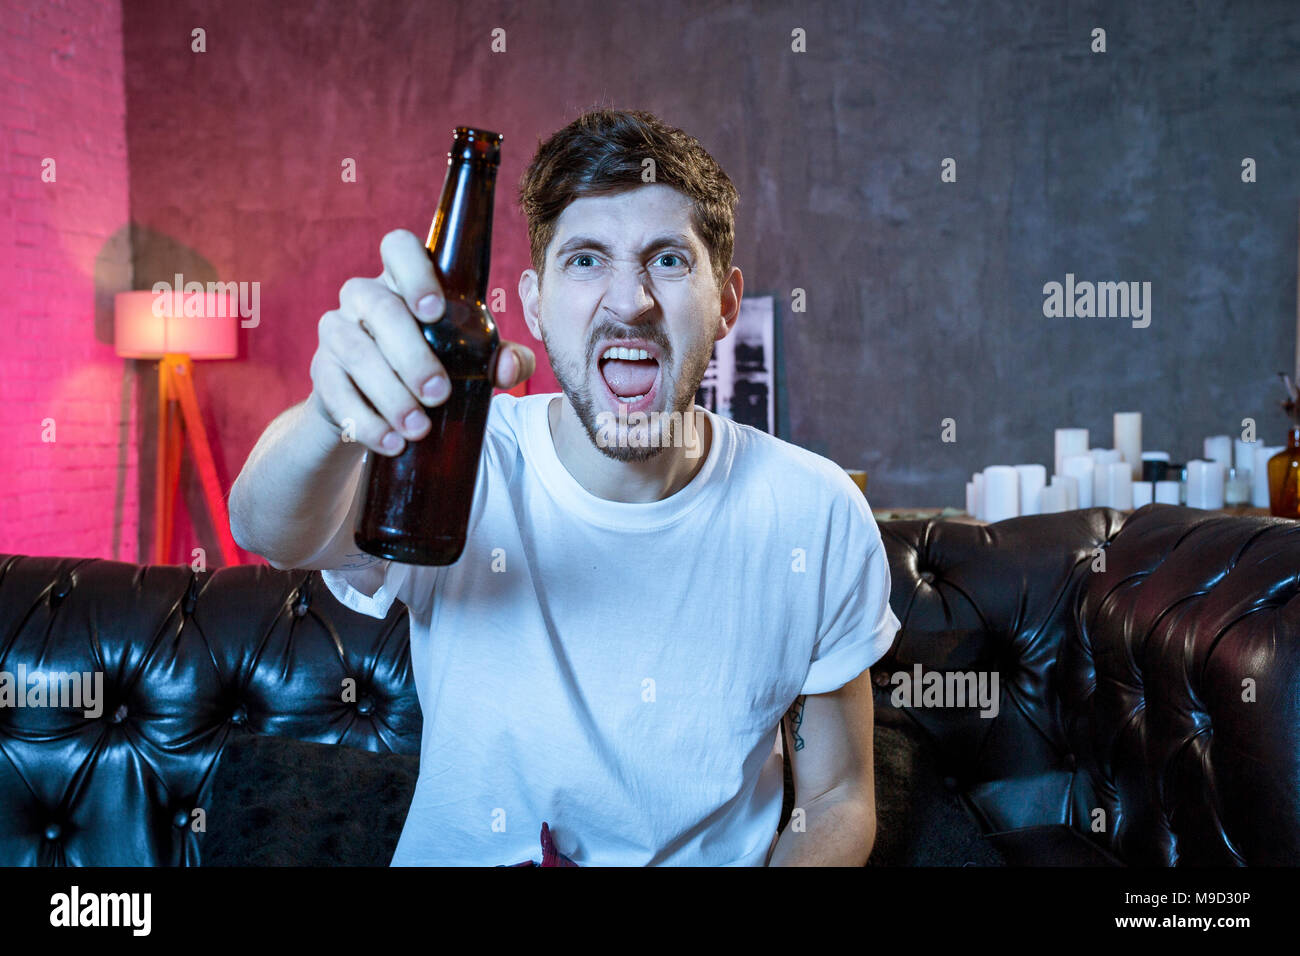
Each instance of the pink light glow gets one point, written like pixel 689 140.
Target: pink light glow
pixel 202 325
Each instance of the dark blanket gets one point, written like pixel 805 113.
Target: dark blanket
pixel 276 801
pixel 919 821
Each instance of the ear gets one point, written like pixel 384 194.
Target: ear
pixel 529 295
pixel 732 291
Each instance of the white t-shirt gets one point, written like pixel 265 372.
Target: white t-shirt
pixel 619 670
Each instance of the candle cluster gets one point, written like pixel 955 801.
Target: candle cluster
pixel 1123 476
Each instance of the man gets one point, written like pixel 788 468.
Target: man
pixel 638 603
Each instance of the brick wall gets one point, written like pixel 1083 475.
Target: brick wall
pixel 64 253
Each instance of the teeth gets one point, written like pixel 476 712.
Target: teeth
pixel 633 399
pixel 627 355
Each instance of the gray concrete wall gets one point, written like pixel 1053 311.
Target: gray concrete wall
pixel 1117 166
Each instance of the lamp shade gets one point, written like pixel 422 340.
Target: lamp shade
pixel 202 325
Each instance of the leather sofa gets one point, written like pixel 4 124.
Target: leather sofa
pixel 1149 708
pixel 1148 689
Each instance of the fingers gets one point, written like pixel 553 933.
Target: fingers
pixel 408 272
pixel 399 338
pixel 356 383
pixel 374 372
pixel 347 410
pixel 515 363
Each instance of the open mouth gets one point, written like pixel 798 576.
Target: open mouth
pixel 631 376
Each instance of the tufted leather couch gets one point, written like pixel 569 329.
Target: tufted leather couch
pixel 1121 735
pixel 1149 712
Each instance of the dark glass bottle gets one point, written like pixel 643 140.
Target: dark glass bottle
pixel 1284 478
pixel 417 504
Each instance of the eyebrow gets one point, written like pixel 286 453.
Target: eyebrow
pixel 658 242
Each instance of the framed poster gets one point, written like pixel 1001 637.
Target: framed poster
pixel 740 382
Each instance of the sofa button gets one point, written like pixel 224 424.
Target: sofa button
pixel 119 715
pixel 1070 762
pixel 239 715
pixel 181 819
pixel 365 705
pixel 950 783
pixel 927 577
pixel 53 831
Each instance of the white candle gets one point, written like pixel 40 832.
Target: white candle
pixel 1102 458
pixel 1143 493
pixel 1205 484
pixel 1216 484
pixel 1128 439
pixel 1080 468
pixel 1071 486
pixel 1119 485
pixel 1259 473
pixel 978 481
pixel 1032 480
pixel 1069 441
pixel 1167 492
pixel 1243 456
pixel 1219 448
pixel 1053 499
pixel 970 497
pixel 1001 493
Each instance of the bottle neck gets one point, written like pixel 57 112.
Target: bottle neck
pixel 460 239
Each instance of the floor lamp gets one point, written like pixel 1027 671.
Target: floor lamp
pixel 175 330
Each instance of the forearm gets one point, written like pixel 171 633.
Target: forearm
pixel 837 829
pixel 296 487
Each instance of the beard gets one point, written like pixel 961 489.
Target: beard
pixel 575 383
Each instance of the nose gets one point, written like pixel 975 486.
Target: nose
pixel 628 297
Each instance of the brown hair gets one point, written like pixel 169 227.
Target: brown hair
pixel 602 152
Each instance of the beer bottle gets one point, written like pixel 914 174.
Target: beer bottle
pixel 417 503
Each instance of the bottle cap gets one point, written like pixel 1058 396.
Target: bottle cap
pixel 475 144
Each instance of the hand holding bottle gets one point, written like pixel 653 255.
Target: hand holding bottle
pixel 373 366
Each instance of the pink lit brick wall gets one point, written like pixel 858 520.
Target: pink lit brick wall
pixel 64 253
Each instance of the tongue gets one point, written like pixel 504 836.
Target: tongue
pixel 629 378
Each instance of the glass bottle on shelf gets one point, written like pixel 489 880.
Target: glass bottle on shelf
pixel 1284 477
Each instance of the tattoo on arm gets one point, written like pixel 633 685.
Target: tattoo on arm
pixel 793 720
pixel 366 561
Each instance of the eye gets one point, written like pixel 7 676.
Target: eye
pixel 671 261
pixel 582 255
